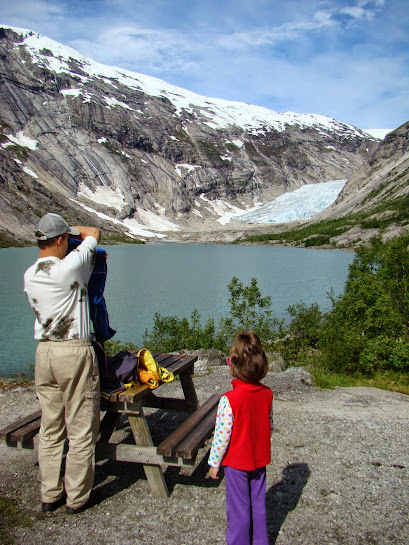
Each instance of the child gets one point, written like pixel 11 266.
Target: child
pixel 242 442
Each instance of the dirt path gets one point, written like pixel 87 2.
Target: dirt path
pixel 339 475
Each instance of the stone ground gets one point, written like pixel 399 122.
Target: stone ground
pixel 339 476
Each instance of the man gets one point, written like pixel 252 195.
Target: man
pixel 66 370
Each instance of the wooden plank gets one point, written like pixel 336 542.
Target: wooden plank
pixel 189 447
pixel 169 403
pixel 153 473
pixel 127 453
pixel 18 424
pixel 189 391
pixel 169 446
pixel 30 444
pixel 133 394
pixel 165 359
pixel 186 362
pixel 140 455
pixel 26 432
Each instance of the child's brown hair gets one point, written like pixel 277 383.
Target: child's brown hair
pixel 248 360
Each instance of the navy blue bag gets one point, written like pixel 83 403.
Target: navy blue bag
pixel 96 286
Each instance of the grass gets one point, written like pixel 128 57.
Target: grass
pixel 118 239
pixel 325 229
pixel 384 380
pixel 22 380
pixel 10 517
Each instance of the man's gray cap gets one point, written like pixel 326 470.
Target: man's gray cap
pixel 53 225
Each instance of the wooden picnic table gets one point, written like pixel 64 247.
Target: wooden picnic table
pixel 179 448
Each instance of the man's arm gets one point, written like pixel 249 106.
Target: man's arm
pixel 86 231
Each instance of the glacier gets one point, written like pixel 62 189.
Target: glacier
pixel 301 204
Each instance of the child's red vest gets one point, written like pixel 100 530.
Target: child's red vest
pixel 250 446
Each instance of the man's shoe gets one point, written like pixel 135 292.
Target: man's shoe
pixel 50 507
pixel 75 510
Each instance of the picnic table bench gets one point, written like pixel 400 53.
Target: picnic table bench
pixel 179 448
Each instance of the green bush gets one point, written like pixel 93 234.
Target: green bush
pixel 303 334
pixel 248 310
pixel 367 328
pixel 319 240
pixel 170 333
pixel 112 347
pixel 384 353
pixel 373 223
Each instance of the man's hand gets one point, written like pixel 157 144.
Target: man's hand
pixel 88 232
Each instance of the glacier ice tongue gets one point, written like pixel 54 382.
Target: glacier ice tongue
pixel 303 203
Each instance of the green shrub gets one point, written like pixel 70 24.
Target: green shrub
pixel 303 334
pixel 248 310
pixel 171 333
pixel 319 240
pixel 384 353
pixel 367 328
pixel 112 347
pixel 371 224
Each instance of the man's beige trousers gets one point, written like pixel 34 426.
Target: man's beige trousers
pixel 67 384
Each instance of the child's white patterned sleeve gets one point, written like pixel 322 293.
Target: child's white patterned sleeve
pixel 222 432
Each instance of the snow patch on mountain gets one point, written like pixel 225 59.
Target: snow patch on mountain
pixel 20 140
pixel 221 208
pixel 135 229
pixel 103 195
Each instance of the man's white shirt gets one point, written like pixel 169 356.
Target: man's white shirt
pixel 57 292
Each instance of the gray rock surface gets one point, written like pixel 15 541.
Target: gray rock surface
pixel 339 475
pixel 375 188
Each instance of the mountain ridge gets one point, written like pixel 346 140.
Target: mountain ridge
pixel 136 155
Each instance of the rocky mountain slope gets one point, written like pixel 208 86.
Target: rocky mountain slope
pixel 383 178
pixel 377 194
pixel 136 155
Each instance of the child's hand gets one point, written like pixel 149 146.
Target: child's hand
pixel 213 471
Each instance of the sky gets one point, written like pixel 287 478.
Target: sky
pixel 347 59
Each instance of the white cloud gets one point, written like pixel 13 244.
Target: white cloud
pixel 33 15
pixel 153 51
pixel 356 12
pixel 257 37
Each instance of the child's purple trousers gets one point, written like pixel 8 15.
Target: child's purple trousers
pixel 246 506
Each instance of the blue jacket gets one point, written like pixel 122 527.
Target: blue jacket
pixel 96 286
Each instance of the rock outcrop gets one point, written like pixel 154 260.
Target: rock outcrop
pixel 383 178
pixel 377 191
